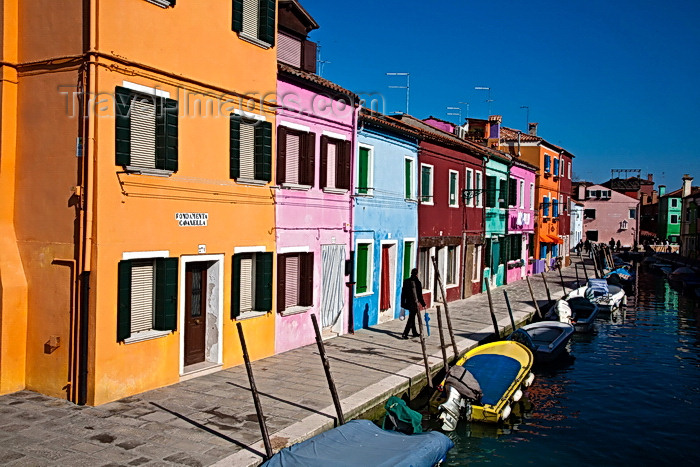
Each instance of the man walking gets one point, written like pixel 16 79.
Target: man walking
pixel 411 298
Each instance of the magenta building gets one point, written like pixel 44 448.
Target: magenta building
pixel 520 223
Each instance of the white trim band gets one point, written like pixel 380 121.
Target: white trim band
pixel 145 254
pixel 333 135
pixel 295 126
pixel 145 89
pixel 249 249
pixel 292 249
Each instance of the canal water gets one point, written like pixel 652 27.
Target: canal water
pixel 627 394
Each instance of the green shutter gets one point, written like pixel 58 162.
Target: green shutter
pixel 425 185
pixel 407 255
pixel 362 259
pixel 363 171
pixel 266 25
pixel 166 294
pixel 490 192
pixel 503 193
pixel 124 301
pixel 512 192
pixel 166 134
pixel 407 178
pixel 263 151
pixel 122 106
pixel 263 281
pixel 235 286
pixel 237 15
pixel 235 149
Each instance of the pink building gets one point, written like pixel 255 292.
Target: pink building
pixel 608 214
pixel 520 224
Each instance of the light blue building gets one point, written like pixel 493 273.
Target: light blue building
pixel 385 216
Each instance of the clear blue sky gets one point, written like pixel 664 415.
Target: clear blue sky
pixel 617 83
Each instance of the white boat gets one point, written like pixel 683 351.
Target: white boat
pixel 606 296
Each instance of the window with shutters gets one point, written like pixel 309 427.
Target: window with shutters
pixel 289 50
pixel 364 266
pixel 408 247
pixel 521 194
pixel 147 298
pixel 555 171
pixel 547 163
pixel 478 186
pixel 555 207
pixel 250 150
pixel 295 158
pixel 491 191
pixel 254 21
pixel 512 192
pixel 409 179
pixel 674 219
pixel 469 187
pixel 251 287
pixel 426 184
pixel 295 275
pixel 502 193
pixel 424 266
pixel 365 170
pixel 545 206
pixel 476 264
pixel 453 180
pixel 335 165
pixel 452 266
pixel 146 129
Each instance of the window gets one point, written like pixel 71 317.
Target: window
pixel 476 264
pixel 547 163
pixel 633 214
pixel 409 191
pixel 562 206
pixel 365 170
pixel 513 192
pixel 531 245
pixel 623 225
pixel 478 185
pixel 454 188
pixel 407 259
pixel 363 268
pixel 251 283
pixel 469 185
pixel 521 194
pixel 543 250
pixel 563 167
pixel 532 196
pixel 491 194
pixel 146 131
pixel 589 213
pixel 674 202
pixel 296 52
pixel 545 206
pixel 556 167
pixel 569 165
pixel 335 164
pixel 452 261
pixel 147 298
pixel 592 235
pixel 250 151
pixel 502 193
pixel 674 218
pixel 426 184
pixel 555 207
pixel 424 265
pixel 296 153
pixel 254 21
pixel 295 275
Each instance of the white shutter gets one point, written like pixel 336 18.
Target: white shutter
pixel 247 151
pixel 143 134
pixel 330 165
pixel 250 17
pixel 291 291
pixel 289 50
pixel 246 284
pixel 141 296
pixel 292 160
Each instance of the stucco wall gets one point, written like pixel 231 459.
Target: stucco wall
pixel 609 214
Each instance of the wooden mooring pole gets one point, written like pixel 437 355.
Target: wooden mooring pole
pixel 422 337
pixel 585 271
pixel 578 282
pixel 327 369
pixel 447 310
pixel 561 278
pixel 510 311
pixel 442 338
pixel 532 295
pixel 493 315
pixel 254 390
pixel 546 287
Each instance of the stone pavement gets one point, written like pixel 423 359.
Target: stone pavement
pixel 212 420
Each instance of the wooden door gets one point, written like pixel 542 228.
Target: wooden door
pixel 195 312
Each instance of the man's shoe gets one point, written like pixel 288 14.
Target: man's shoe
pixel 404 337
pixel 416 335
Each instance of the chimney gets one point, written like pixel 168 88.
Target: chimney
pixel 687 183
pixel 662 190
pixel 650 177
pixel 654 196
pixel 494 130
pixel 532 128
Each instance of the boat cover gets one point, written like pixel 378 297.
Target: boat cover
pixel 596 288
pixel 400 417
pixel 495 373
pixel 361 442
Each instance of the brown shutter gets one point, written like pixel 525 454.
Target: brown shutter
pixel 281 154
pixel 309 57
pixel 324 157
pixel 307 159
pixel 306 279
pixel 281 282
pixel 289 50
pixel 294 141
pixel 344 166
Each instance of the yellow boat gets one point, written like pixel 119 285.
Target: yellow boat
pixel 500 370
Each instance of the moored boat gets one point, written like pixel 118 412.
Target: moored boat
pixel 546 339
pixel 361 442
pixel 484 383
pixel 577 311
pixel 606 296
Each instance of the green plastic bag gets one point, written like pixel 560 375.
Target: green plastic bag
pixel 400 417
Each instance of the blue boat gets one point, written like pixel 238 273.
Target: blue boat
pixel 361 442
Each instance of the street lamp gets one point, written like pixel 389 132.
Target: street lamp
pixel 407 87
pixel 488 100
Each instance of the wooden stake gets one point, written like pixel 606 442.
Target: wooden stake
pixel 442 338
pixel 561 277
pixel 546 287
pixel 327 369
pixel 447 310
pixel 493 315
pixel 510 311
pixel 254 390
pixel 532 294
pixel 578 282
pixel 585 271
pixel 422 337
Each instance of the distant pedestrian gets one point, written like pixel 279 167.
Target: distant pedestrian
pixel 618 246
pixel 587 246
pixel 612 244
pixel 411 299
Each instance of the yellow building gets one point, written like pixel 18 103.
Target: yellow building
pixel 137 222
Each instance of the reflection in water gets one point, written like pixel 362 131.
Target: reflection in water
pixel 627 393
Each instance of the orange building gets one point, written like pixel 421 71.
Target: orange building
pixel 137 223
pixel 549 206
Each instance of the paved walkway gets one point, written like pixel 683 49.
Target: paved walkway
pixel 212 420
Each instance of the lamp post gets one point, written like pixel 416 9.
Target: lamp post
pixel 488 100
pixel 407 87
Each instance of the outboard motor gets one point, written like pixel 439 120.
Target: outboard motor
pixel 462 390
pixel 561 311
